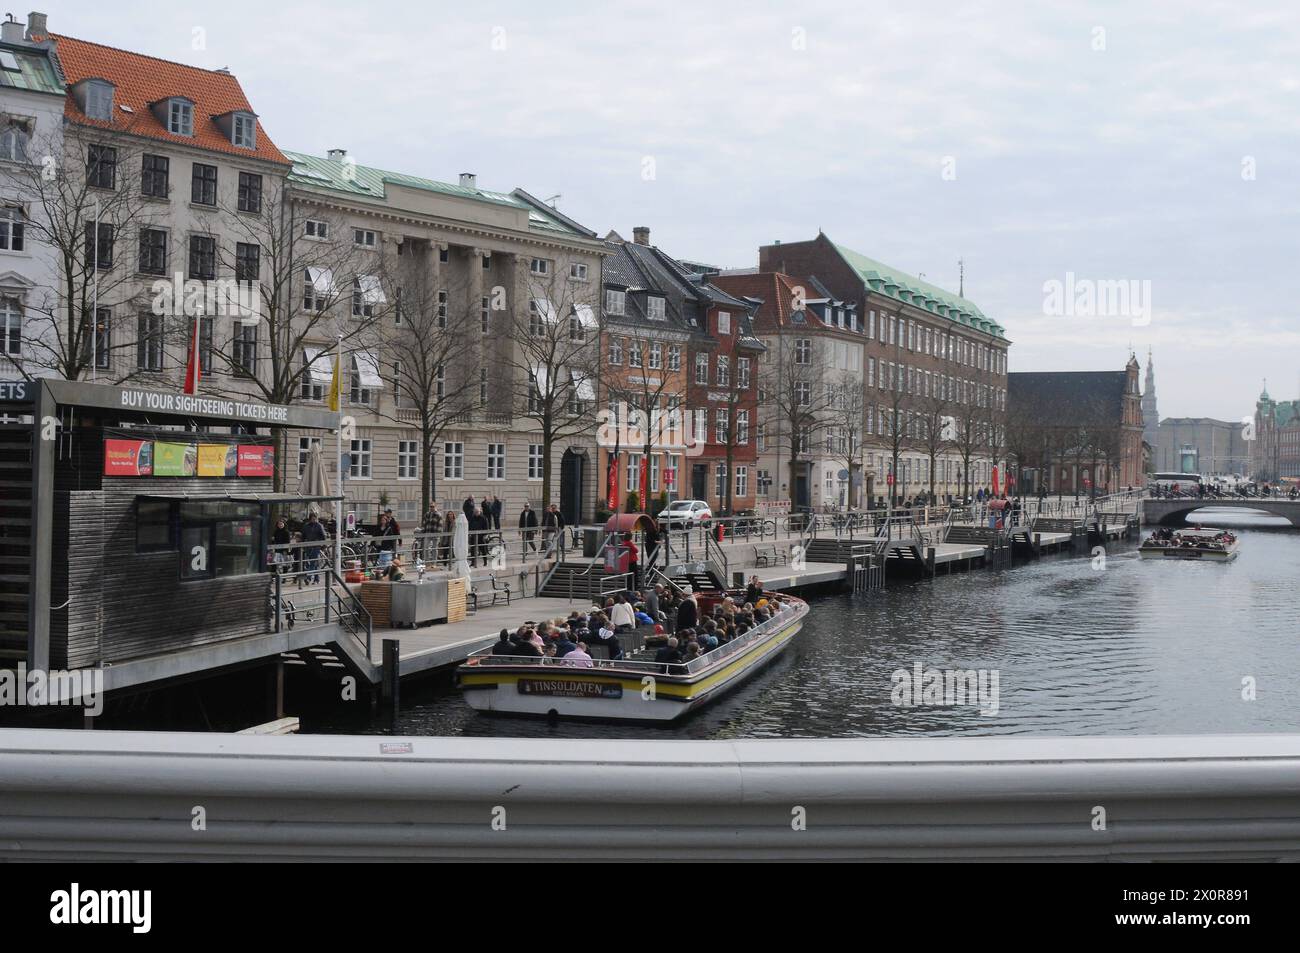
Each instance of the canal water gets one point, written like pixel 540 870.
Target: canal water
pixel 1078 645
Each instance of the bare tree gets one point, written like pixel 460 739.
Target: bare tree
pixel 435 361
pixel 935 427
pixel 77 202
pixel 324 290
pixel 552 363
pixel 845 424
pixel 896 421
pixel 793 395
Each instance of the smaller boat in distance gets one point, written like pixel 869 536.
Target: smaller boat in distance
pixel 1198 542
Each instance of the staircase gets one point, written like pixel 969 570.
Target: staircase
pixel 577 580
pixel 15 538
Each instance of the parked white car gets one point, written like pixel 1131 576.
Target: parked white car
pixel 685 514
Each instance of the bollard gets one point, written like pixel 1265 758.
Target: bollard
pixel 392 677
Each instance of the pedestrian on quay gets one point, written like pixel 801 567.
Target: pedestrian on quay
pixel 431 529
pixel 528 523
pixel 468 506
pixel 478 527
pixel 495 513
pixel 552 526
pixel 312 532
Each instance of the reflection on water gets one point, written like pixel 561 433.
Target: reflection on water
pixel 1137 646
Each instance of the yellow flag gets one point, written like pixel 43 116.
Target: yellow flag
pixel 334 384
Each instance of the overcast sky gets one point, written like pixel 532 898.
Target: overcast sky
pixel 1142 142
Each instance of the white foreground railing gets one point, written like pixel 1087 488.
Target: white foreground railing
pixel 144 796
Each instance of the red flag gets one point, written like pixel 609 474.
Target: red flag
pixel 995 481
pixel 645 470
pixel 612 501
pixel 193 368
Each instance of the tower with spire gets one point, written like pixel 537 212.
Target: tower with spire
pixel 1150 415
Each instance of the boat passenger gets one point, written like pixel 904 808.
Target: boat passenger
pixel 669 652
pixel 622 615
pixel 692 652
pixel 578 657
pixel 754 591
pixel 687 612
pixel 708 641
pixel 563 643
pixel 503 645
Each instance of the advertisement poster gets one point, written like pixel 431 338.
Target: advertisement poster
pixel 174 459
pixel 128 458
pixel 256 461
pixel 218 459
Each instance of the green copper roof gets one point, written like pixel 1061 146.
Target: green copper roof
pixel 921 294
pixel 367 182
pixel 35 71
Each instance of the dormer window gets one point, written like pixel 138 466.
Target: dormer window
pixel 99 100
pixel 244 131
pixel 654 308
pixel 180 117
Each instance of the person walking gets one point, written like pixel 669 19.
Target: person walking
pixel 552 525
pixel 496 512
pixel 389 538
pixel 431 529
pixel 650 537
pixel 528 523
pixel 468 506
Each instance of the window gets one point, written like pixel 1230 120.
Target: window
pixel 153 251
pixel 484 314
pixel 11 228
pixel 656 356
pixel 742 427
pixel 720 482
pixel 305 445
pixel 101 167
pixel 634 353
pixel 578 271
pixel 742 481
pixel 180 118
pixel 444 255
pixel 535 461
pixel 149 343
pixel 11 326
pixel 442 309
pixel 722 425
pixel 576 332
pixel 359 458
pixel 439 383
pixel 250 192
pixel 203 257
pixel 653 476
pixel 761 437
pixel 615 301
pixel 803 351
pixel 655 308
pixel 536 321
pixel 674 357
pixel 364 379
pixel 633 472
pixel 101 343
pixel 309 388
pixel 539 266
pixel 364 237
pixel 802 393
pixel 205 345
pixel 219 539
pixel 99 244
pixel 315 229
pixel 701 368
pixel 724 371
pixel 13 142
pixel 453 460
pixel 407 456
pixel 483 386
pixel 742 373
pixel 153 526
pixel 244 131
pixel 615 350
pixel 243 350
pixel 99 100
pixel 203 184
pixel 763 482
pixel 154 171
pixel 248 262
pixel 700 426
pixel 317 287
pixel 496 461
pixel 724 322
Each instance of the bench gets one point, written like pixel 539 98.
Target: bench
pixel 769 555
pixel 500 591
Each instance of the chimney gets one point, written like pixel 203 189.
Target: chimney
pixel 641 235
pixel 11 31
pixel 468 180
pixel 337 154
pixel 36 25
